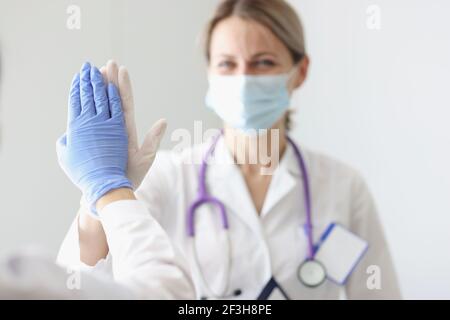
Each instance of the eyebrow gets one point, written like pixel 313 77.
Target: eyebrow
pixel 263 54
pixel 257 55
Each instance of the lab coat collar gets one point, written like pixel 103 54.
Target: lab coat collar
pixel 285 178
pixel 225 181
pixel 223 162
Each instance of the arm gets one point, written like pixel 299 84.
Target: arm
pixel 93 153
pixel 88 231
pixel 85 244
pixel 92 237
pixel 143 257
pixel 144 264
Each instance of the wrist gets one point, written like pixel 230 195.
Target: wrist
pixel 97 189
pixel 113 196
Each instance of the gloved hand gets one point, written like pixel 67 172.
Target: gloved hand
pixel 94 150
pixel 140 158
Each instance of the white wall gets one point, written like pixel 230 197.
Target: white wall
pixel 380 100
pixel 376 99
pixel 39 56
pixel 156 40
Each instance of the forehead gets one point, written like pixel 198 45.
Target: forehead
pixel 244 38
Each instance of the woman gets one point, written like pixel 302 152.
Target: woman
pixel 256 59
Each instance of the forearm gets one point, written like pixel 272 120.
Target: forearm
pixel 92 238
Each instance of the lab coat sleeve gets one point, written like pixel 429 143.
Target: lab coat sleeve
pixel 143 257
pixel 374 277
pixel 156 192
pixel 140 256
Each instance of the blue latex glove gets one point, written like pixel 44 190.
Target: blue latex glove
pixel 94 150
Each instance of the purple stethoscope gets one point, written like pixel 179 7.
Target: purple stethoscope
pixel 311 272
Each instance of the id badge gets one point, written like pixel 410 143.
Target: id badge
pixel 340 251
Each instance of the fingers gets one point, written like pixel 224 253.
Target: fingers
pixel 92 95
pixel 74 99
pixel 105 76
pixel 86 92
pixel 126 94
pixel 100 97
pixel 112 71
pixel 153 138
pixel 114 100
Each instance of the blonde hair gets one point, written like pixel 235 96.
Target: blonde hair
pixel 276 15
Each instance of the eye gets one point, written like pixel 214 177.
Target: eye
pixel 226 64
pixel 264 63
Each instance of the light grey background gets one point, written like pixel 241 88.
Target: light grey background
pixel 378 100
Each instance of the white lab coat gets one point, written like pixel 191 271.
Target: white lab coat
pixel 145 264
pixel 272 243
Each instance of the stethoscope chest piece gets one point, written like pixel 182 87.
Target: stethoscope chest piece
pixel 311 273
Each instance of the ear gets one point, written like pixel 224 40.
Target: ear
pixel 303 67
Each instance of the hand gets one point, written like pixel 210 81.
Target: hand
pixel 94 150
pixel 140 158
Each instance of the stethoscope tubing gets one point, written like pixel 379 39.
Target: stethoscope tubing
pixel 205 198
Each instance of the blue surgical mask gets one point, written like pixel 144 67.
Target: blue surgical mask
pixel 249 102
